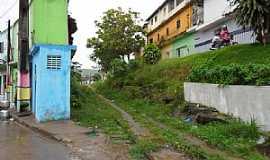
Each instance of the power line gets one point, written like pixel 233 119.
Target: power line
pixel 9 9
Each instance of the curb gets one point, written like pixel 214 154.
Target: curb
pixel 41 131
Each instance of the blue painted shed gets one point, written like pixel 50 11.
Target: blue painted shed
pixel 50 81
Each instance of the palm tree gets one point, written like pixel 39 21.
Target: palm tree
pixel 255 14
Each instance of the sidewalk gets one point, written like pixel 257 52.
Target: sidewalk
pixel 76 138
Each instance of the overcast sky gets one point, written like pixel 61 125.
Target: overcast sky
pixel 85 12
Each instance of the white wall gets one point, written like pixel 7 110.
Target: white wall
pixel 214 9
pixel 244 102
pixel 3 38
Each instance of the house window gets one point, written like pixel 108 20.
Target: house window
pixel 171 5
pixel 164 10
pixel 152 21
pixel 54 62
pixel 151 40
pixel 179 2
pixel 1 47
pixel 168 31
pixel 178 24
pixel 182 51
pixel 156 18
pixel 158 37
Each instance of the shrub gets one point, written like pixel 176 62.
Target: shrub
pixel 118 68
pixel 233 74
pixel 96 77
pixel 151 54
pixel 134 65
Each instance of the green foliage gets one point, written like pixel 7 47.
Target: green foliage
pixel 233 74
pixel 143 147
pixel 119 35
pixel 96 77
pixel 255 14
pixel 76 93
pixel 118 68
pixel 151 54
pixel 134 65
pixel 143 89
pixel 236 136
pixel 93 112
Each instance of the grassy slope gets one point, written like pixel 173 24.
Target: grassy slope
pixel 167 77
pixel 178 68
pixel 95 113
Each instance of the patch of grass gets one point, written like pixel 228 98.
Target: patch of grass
pixel 95 113
pixel 236 137
pixel 140 149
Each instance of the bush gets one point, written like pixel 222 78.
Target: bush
pixel 134 65
pixel 96 77
pixel 118 68
pixel 234 74
pixel 151 54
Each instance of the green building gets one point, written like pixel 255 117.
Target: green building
pixel 183 45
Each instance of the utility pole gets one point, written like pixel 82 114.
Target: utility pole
pixel 8 84
pixel 23 86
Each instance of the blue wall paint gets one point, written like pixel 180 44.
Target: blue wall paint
pixel 51 88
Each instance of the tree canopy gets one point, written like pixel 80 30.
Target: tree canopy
pixel 255 14
pixel 118 36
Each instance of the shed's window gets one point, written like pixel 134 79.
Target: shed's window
pixel 53 62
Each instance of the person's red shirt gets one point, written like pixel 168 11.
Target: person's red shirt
pixel 225 35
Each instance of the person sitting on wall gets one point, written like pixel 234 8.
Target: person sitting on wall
pixel 216 42
pixel 225 36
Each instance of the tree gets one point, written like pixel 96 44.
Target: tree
pixel 255 14
pixel 118 36
pixel 151 54
pixel 72 28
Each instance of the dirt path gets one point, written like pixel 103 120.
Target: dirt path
pixel 196 142
pixel 143 133
pixel 136 128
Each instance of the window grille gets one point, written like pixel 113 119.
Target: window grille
pixel 53 62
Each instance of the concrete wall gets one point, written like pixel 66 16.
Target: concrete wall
pixel 245 102
pixel 214 9
pixel 3 39
pixel 48 22
pixel 51 87
pixel 166 51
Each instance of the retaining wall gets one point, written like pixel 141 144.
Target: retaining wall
pixel 245 102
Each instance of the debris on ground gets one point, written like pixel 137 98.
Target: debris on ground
pixel 168 155
pixel 202 114
pixel 264 148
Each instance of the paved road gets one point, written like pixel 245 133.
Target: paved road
pixel 19 143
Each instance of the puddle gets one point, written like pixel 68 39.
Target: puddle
pixel 17 142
